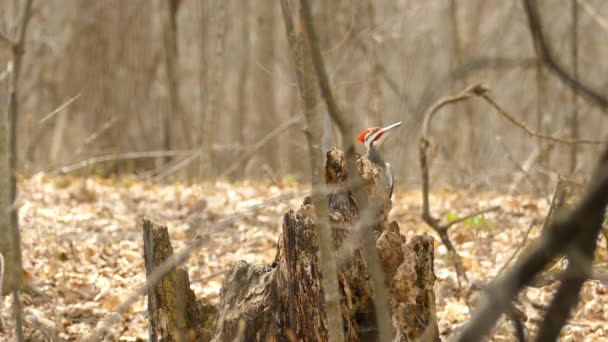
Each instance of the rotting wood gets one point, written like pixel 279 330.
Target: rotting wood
pixel 174 312
pixel 284 301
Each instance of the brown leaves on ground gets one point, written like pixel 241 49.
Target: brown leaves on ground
pixel 82 250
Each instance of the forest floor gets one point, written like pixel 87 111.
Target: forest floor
pixel 83 251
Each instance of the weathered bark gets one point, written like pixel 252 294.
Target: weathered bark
pixel 285 301
pixel 174 313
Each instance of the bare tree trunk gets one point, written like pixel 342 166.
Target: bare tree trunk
pixel 208 156
pixel 264 90
pixel 368 212
pixel 305 75
pixel 376 105
pixel 244 73
pixel 574 124
pixel 467 146
pixel 11 243
pixel 203 80
pixel 541 106
pixel 174 111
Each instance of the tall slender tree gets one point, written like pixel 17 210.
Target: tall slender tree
pixel 574 122
pixel 265 92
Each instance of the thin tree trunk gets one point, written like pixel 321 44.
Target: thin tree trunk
pixel 264 91
pixel 306 80
pixel 543 147
pixel 376 107
pixel 244 74
pixel 574 124
pixel 11 251
pixel 208 156
pixel 467 147
pixel 174 111
pixel 203 80
pixel 368 211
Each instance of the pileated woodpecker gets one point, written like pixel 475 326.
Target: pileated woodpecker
pixel 372 138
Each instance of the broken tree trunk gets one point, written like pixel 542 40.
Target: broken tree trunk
pixel 174 313
pixel 284 301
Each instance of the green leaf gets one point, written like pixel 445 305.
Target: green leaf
pixel 452 216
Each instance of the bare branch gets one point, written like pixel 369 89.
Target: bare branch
pixel 528 131
pixel 473 214
pixel 564 234
pixel 592 12
pixel 473 90
pixel 261 143
pixel 59 109
pixel 6 41
pixel 116 156
pixel 546 55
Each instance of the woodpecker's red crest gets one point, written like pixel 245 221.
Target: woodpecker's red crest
pixel 363 134
pixel 376 134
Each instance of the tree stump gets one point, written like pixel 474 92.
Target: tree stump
pixel 174 313
pixel 284 301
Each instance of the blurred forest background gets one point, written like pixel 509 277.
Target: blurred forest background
pixel 190 93
pixel 202 89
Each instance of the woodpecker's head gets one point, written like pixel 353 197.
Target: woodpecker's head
pixel 376 135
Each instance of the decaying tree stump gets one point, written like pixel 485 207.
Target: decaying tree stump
pixel 284 301
pixel 174 313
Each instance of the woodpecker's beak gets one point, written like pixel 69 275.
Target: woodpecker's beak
pixel 388 128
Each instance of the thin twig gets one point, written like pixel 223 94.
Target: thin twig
pixel 530 132
pixel 59 109
pixel 2 323
pixel 523 169
pixel 260 144
pixel 6 41
pixel 177 166
pixel 95 135
pixel 593 13
pixel 519 247
pixel 475 213
pixel 116 156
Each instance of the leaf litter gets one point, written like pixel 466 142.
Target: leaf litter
pixel 83 253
